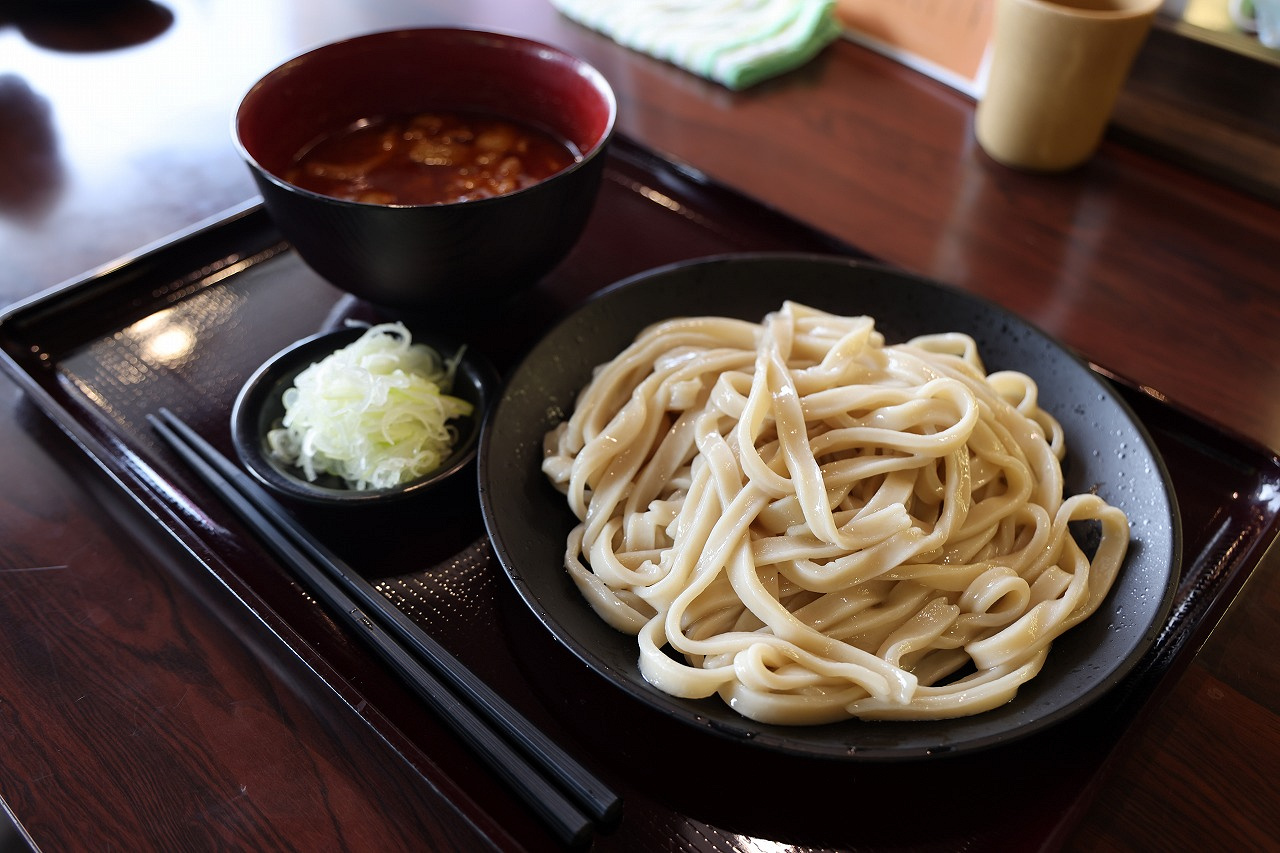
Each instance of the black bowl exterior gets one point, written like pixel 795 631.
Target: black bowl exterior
pixel 259 407
pixel 1108 449
pixel 439 257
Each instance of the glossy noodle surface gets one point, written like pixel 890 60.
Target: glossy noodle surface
pixel 816 526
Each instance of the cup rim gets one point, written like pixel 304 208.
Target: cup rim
pixel 1132 8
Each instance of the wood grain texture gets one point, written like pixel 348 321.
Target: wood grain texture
pixel 1202 766
pixel 141 707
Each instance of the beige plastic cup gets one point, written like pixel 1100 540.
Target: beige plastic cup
pixel 1056 70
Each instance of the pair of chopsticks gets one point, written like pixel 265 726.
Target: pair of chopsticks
pixel 566 796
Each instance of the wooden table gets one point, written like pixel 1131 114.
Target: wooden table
pixel 142 707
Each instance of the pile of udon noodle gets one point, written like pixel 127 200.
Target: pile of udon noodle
pixel 818 526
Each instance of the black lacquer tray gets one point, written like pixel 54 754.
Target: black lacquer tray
pixel 183 323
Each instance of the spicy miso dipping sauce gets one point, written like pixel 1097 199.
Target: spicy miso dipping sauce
pixel 436 157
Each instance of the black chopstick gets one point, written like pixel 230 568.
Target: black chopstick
pixel 539 770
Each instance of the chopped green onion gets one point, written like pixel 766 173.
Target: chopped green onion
pixel 375 413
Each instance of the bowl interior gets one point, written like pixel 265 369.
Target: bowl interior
pixel 404 71
pixel 259 407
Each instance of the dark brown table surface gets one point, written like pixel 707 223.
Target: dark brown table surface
pixel 137 710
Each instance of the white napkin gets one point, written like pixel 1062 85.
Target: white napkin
pixel 736 43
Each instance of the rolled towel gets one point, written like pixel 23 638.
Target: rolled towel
pixel 736 43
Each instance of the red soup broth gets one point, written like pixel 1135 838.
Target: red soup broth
pixel 437 157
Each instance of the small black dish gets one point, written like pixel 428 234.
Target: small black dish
pixel 259 407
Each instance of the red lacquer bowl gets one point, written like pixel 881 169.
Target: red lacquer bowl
pixel 429 256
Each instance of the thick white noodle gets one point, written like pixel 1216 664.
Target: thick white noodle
pixel 817 526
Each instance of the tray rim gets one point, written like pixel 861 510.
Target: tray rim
pixel 26 368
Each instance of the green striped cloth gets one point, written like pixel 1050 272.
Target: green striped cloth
pixel 736 43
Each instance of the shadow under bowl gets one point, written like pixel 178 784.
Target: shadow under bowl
pixel 429 256
pixel 259 407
